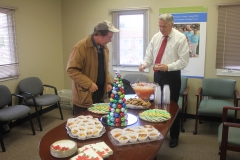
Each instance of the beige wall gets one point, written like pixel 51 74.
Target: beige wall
pixel 39 41
pixel 47 30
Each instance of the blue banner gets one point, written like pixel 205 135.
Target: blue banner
pixel 190 17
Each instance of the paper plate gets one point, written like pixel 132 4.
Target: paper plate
pixel 63 148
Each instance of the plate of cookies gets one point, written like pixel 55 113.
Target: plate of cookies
pixel 137 103
pixel 99 108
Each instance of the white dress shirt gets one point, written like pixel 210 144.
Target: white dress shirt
pixel 176 53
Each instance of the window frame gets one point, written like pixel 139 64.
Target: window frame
pixel 227 54
pixel 116 39
pixel 9 70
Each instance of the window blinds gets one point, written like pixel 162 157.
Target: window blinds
pixel 228 37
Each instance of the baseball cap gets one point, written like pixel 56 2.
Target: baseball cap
pixel 106 25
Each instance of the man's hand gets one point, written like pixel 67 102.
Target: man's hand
pixel 109 87
pixel 161 67
pixel 93 87
pixel 141 67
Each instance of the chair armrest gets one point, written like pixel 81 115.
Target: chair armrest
pixel 199 98
pixel 49 86
pixel 237 95
pixel 30 95
pixel 19 96
pixel 229 124
pixel 186 91
pixel 225 111
pixel 199 92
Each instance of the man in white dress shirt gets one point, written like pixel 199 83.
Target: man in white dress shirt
pixel 168 71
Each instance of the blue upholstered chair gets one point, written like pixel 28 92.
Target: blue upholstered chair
pixel 182 101
pixel 32 89
pixel 9 112
pixel 228 133
pixel 213 95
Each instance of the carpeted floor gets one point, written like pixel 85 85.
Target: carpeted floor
pixel 22 145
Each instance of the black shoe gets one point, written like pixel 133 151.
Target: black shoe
pixel 173 143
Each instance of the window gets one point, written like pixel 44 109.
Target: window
pixel 228 40
pixel 8 55
pixel 129 45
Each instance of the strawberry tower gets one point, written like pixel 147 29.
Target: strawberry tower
pixel 117 114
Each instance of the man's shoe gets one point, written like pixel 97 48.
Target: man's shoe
pixel 173 143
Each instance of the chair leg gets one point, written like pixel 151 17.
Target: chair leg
pixel 200 119
pixel 223 154
pixel 182 118
pixel 38 118
pixel 40 110
pixel 60 110
pixel 196 124
pixel 30 119
pixel 185 113
pixel 1 141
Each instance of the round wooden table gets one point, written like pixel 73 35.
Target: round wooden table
pixel 142 151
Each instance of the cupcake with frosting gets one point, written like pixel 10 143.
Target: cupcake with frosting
pixel 99 126
pixel 133 137
pixel 116 135
pixel 82 134
pixel 96 132
pixel 148 126
pixel 82 128
pixel 70 121
pixel 89 133
pixel 151 130
pixel 142 136
pixel 74 131
pixel 116 130
pixel 128 130
pixel 89 117
pixel 72 126
pixel 123 139
pixel 153 135
pixel 81 117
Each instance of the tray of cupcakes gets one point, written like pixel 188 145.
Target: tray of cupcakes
pixel 84 127
pixel 134 135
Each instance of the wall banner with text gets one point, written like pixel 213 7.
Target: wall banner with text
pixel 192 21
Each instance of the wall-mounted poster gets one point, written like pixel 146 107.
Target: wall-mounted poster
pixel 192 22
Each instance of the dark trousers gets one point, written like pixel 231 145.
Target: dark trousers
pixel 77 110
pixel 173 79
pixel 96 97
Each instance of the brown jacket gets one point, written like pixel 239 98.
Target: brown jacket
pixel 82 68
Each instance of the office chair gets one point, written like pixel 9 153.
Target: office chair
pixel 9 112
pixel 213 95
pixel 228 133
pixel 32 89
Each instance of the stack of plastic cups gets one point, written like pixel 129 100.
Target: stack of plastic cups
pixel 157 97
pixel 166 97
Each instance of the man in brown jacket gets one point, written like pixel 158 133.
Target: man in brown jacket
pixel 88 67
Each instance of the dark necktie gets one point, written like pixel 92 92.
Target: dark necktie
pixel 161 51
